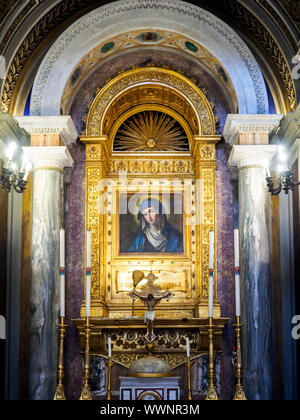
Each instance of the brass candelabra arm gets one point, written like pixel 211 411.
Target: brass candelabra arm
pixel 284 183
pixel 10 179
pixel 271 187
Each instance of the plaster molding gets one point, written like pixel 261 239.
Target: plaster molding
pixel 108 20
pixel 49 157
pixel 289 130
pixel 62 125
pixel 238 124
pixel 249 156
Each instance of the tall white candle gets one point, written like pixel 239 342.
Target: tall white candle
pixel 88 297
pixel 109 347
pixel 237 273
pixel 62 273
pixel 236 248
pixel 211 250
pixel 88 273
pixel 88 248
pixel 188 352
pixel 62 248
pixel 211 274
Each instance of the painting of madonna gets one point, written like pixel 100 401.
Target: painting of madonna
pixel 155 233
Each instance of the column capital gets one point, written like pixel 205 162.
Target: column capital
pixel 239 124
pixel 289 130
pixel 61 125
pixel 49 157
pixel 252 155
pixel 289 134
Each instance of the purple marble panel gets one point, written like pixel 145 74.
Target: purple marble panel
pixel 225 266
pixel 75 233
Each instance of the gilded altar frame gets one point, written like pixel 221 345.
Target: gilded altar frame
pixel 191 173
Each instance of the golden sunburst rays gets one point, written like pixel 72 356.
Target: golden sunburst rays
pixel 151 131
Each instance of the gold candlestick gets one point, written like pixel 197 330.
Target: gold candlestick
pixel 239 391
pixel 110 364
pixel 60 389
pixel 86 390
pixel 211 391
pixel 189 365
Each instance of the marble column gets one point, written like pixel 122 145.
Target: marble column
pixel 50 156
pixel 47 211
pixel 250 153
pixel 288 290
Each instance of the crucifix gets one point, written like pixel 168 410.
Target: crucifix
pixel 150 295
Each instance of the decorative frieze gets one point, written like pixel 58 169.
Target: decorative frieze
pixel 144 167
pixel 254 126
pixel 61 126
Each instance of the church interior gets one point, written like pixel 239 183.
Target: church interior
pixel 149 196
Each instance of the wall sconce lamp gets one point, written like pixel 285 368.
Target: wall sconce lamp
pixel 284 181
pixel 13 174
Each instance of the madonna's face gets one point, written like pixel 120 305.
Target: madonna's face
pixel 151 216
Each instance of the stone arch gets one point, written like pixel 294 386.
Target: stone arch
pixel 191 20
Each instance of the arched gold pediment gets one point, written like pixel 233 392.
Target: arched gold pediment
pixel 150 128
pixel 149 87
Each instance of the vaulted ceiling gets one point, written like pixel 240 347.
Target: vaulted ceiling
pixel 28 28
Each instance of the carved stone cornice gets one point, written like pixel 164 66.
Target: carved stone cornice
pixel 259 124
pixel 61 125
pixel 10 130
pixel 289 129
pixel 251 156
pixel 289 134
pixel 49 157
